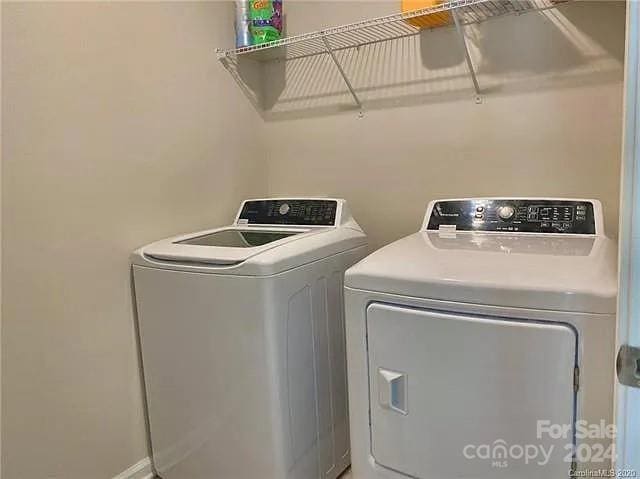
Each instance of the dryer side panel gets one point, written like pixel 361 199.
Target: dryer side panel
pixel 446 390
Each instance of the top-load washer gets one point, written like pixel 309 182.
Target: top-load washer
pixel 242 338
pixel 483 345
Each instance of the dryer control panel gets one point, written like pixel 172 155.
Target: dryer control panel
pixel 294 212
pixel 514 215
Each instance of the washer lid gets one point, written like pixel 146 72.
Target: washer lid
pixel 237 250
pixel 221 246
pixel 268 236
pixel 551 272
pixel 237 238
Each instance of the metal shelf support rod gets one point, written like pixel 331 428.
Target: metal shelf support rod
pixel 465 47
pixel 342 72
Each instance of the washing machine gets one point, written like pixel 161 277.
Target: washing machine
pixel 482 346
pixel 243 348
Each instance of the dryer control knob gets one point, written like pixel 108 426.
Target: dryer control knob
pixel 506 212
pixel 284 208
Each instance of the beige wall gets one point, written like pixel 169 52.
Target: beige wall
pixel 550 123
pixel 119 128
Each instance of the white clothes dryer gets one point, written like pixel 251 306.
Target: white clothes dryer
pixel 472 341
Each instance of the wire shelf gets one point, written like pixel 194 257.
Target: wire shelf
pixel 450 13
pixel 389 27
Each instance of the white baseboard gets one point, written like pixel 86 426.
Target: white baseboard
pixel 140 470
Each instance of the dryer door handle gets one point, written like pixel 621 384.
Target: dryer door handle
pixel 392 390
pixel 628 366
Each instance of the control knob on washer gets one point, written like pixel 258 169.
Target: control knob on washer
pixel 506 212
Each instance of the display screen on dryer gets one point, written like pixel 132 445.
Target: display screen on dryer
pixel 514 215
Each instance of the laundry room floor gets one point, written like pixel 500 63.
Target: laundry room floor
pixel 345 475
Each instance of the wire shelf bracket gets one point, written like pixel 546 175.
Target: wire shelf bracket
pixel 343 74
pixel 467 56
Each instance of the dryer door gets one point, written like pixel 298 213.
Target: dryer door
pixel 461 397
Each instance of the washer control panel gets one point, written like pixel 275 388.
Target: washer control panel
pixel 295 212
pixel 514 215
